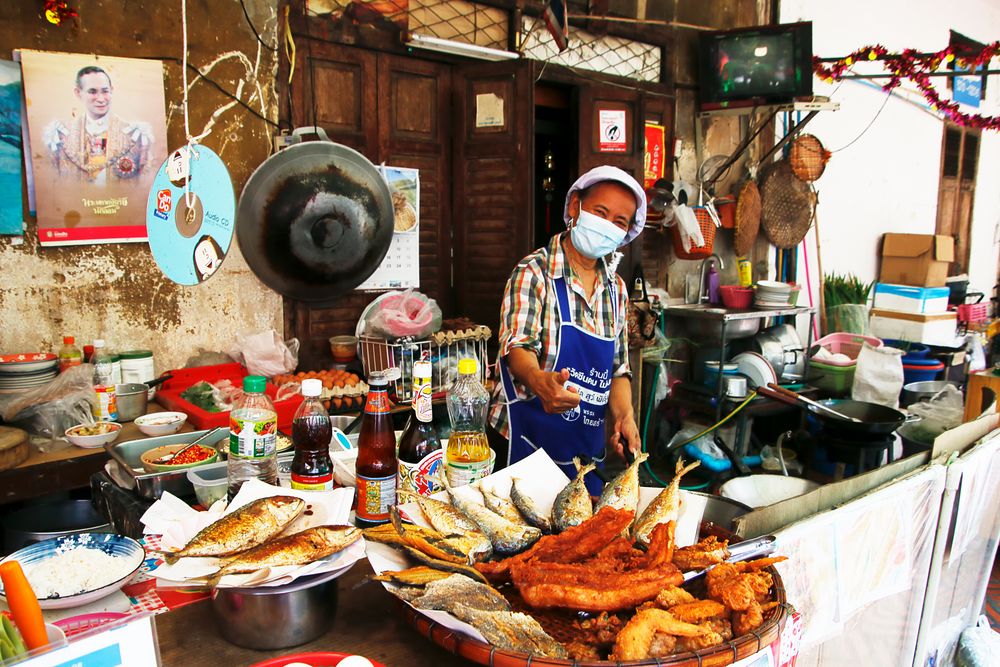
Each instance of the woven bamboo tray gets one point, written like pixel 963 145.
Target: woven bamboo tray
pixel 717 656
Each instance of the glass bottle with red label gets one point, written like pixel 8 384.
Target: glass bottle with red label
pixel 420 453
pixel 377 465
pixel 312 468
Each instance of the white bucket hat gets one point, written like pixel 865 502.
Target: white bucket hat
pixel 609 173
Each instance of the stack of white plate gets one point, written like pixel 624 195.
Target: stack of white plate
pixel 19 372
pixel 773 295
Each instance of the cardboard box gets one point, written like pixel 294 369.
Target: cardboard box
pixel 940 329
pixel 907 299
pixel 916 259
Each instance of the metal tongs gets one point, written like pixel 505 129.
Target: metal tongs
pixel 170 457
pixel 745 550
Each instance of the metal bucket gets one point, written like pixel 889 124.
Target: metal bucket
pixel 273 617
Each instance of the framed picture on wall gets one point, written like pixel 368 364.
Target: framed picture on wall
pixel 98 134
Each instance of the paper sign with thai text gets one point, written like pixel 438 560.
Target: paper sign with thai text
pixel 613 131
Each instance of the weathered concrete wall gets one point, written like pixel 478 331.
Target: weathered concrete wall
pixel 117 291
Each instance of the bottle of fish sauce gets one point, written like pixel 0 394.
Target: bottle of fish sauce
pixel 377 466
pixel 312 468
pixel 420 453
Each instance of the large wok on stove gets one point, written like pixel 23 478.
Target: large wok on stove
pixel 315 220
pixel 858 417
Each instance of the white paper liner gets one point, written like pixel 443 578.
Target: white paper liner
pixel 178 523
pixel 539 476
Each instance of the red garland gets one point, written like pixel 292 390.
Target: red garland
pixel 915 66
pixel 58 10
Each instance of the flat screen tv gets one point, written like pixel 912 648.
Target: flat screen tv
pixel 760 64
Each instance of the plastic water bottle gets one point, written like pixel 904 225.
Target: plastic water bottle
pixel 106 406
pixel 468 455
pixel 253 430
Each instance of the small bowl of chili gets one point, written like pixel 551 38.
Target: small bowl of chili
pixel 196 456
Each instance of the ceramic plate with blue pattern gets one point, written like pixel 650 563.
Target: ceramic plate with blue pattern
pixel 100 582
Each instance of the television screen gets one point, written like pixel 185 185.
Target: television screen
pixel 771 63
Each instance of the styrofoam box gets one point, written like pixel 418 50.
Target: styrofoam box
pixel 927 329
pixel 908 299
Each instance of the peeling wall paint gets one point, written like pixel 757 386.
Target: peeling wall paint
pixel 116 291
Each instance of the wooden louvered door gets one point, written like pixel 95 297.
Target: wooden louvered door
pixel 395 111
pixel 492 186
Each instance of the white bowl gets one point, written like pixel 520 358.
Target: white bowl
pixel 161 423
pixel 764 490
pixel 94 441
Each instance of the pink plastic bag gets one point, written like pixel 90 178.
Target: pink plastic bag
pixel 406 314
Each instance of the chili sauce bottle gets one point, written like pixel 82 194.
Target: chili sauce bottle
pixel 312 468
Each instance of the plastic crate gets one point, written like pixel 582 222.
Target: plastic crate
pixel 833 380
pixel 971 313
pixel 169 395
pixel 845 343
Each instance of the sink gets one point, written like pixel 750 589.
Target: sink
pixel 705 320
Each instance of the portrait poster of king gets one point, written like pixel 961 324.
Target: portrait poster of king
pixel 97 130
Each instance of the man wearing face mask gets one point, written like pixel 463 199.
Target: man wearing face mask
pixel 563 361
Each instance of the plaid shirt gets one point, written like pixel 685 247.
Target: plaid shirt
pixel 530 315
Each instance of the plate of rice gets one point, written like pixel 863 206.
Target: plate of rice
pixel 74 570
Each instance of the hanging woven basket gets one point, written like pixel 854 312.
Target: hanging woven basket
pixel 808 158
pixel 786 205
pixel 747 218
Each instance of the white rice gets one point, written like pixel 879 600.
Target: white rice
pixel 75 571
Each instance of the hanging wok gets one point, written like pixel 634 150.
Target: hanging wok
pixel 315 220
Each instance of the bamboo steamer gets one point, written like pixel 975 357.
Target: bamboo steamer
pixel 717 656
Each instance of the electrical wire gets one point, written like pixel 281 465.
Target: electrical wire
pixel 253 29
pixel 867 127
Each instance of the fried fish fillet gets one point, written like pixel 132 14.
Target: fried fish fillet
pixel 710 551
pixel 511 631
pixel 444 594
pixel 420 575
pixel 698 611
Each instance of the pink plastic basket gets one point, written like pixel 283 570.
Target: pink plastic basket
pixel 75 625
pixel 970 313
pixel 846 343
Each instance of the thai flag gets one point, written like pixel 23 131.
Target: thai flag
pixel 556 22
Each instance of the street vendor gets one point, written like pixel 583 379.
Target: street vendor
pixel 563 361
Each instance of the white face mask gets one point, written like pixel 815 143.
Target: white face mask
pixel 594 236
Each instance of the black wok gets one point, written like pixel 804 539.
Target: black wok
pixel 875 419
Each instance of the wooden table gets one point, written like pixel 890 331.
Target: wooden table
pixel 64 469
pixel 369 622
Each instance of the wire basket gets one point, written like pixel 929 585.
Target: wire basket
pixel 378 355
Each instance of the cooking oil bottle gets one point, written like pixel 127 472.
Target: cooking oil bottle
pixel 468 456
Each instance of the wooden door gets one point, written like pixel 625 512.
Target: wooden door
pixel 395 111
pixel 957 189
pixel 494 110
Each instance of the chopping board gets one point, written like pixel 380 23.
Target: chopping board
pixel 13 447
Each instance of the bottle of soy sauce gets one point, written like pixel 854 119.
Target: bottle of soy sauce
pixel 377 465
pixel 312 469
pixel 420 453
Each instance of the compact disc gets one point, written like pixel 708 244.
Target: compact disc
pixel 191 234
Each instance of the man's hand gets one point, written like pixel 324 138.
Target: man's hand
pixel 549 387
pixel 625 434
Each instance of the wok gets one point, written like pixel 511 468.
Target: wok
pixel 875 419
pixel 315 219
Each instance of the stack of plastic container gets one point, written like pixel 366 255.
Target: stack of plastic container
pixel 832 371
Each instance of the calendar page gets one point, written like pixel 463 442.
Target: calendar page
pixel 401 267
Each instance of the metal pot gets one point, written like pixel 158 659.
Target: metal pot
pixel 793 358
pixel 38 523
pixel 273 617
pixel 915 392
pixel 132 400
pixel 771 349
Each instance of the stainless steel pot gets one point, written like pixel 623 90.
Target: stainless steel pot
pixel 274 617
pixel 771 349
pixel 915 392
pixel 132 400
pixel 37 523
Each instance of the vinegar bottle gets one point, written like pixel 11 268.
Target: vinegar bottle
pixel 376 466
pixel 312 468
pixel 468 457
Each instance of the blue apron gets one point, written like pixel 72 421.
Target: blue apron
pixel 590 359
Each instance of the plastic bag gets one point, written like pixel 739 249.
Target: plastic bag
pixel 978 646
pixel 49 410
pixel 848 317
pixel 265 353
pixel 939 413
pixel 690 230
pixel 408 314
pixel 878 377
